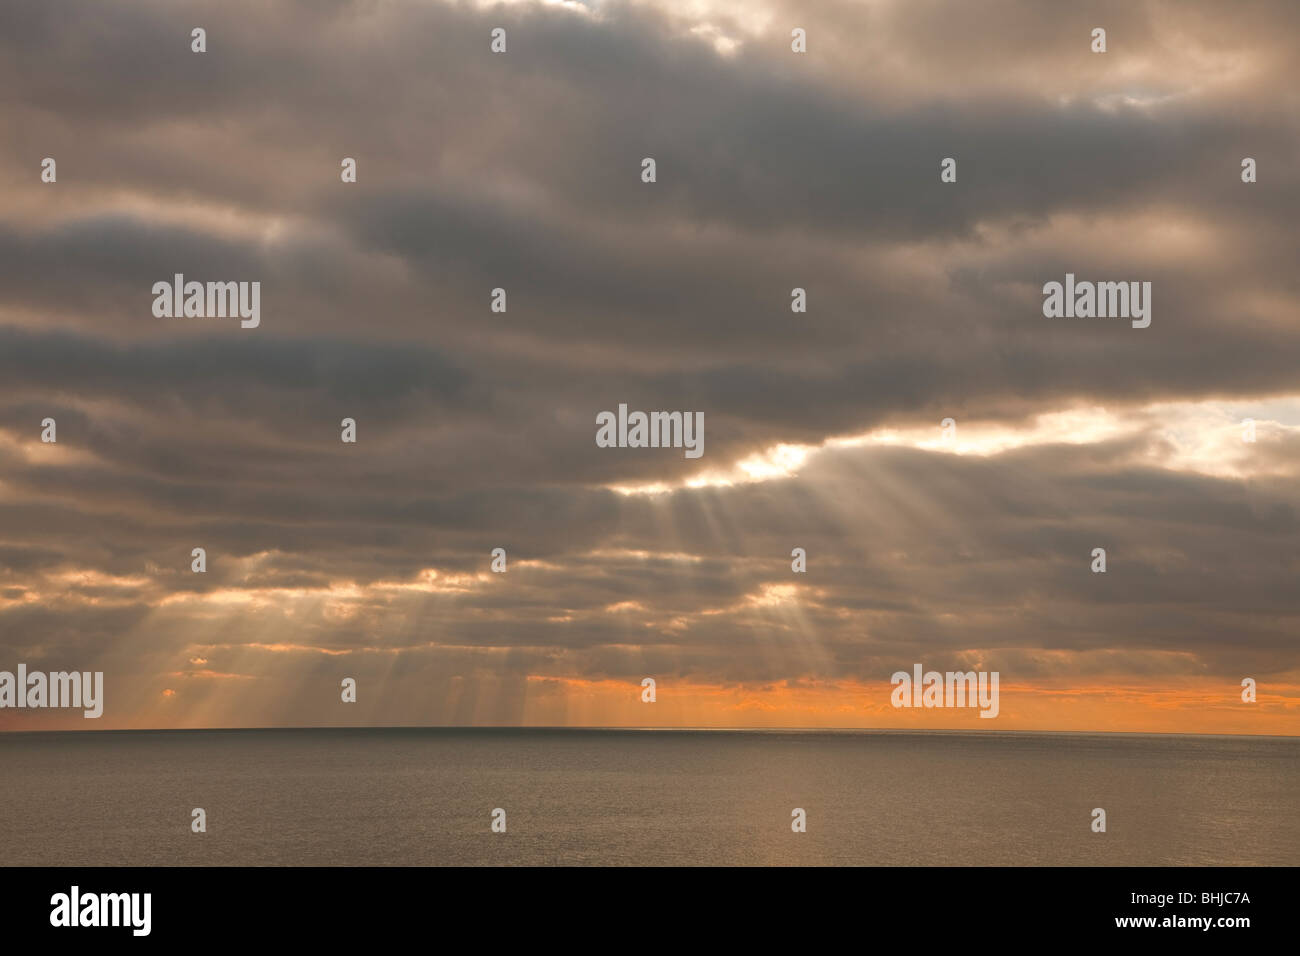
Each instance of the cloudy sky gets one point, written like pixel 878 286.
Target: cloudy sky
pixel 475 430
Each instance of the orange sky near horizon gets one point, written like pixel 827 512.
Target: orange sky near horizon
pixel 1171 707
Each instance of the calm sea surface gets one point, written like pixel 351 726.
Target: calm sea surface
pixel 421 797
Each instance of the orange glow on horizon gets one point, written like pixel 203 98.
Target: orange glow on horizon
pixel 1198 706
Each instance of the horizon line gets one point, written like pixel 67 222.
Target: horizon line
pixel 648 729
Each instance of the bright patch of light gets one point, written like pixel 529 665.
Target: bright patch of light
pixel 1202 437
pixel 723 44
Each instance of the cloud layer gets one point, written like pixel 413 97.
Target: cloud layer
pixel 475 429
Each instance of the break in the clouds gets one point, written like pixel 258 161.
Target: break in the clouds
pixel 774 171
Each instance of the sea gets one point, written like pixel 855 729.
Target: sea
pixel 430 796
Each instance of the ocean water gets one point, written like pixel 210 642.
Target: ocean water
pixel 425 796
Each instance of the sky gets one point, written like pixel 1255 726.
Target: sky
pixel 969 548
